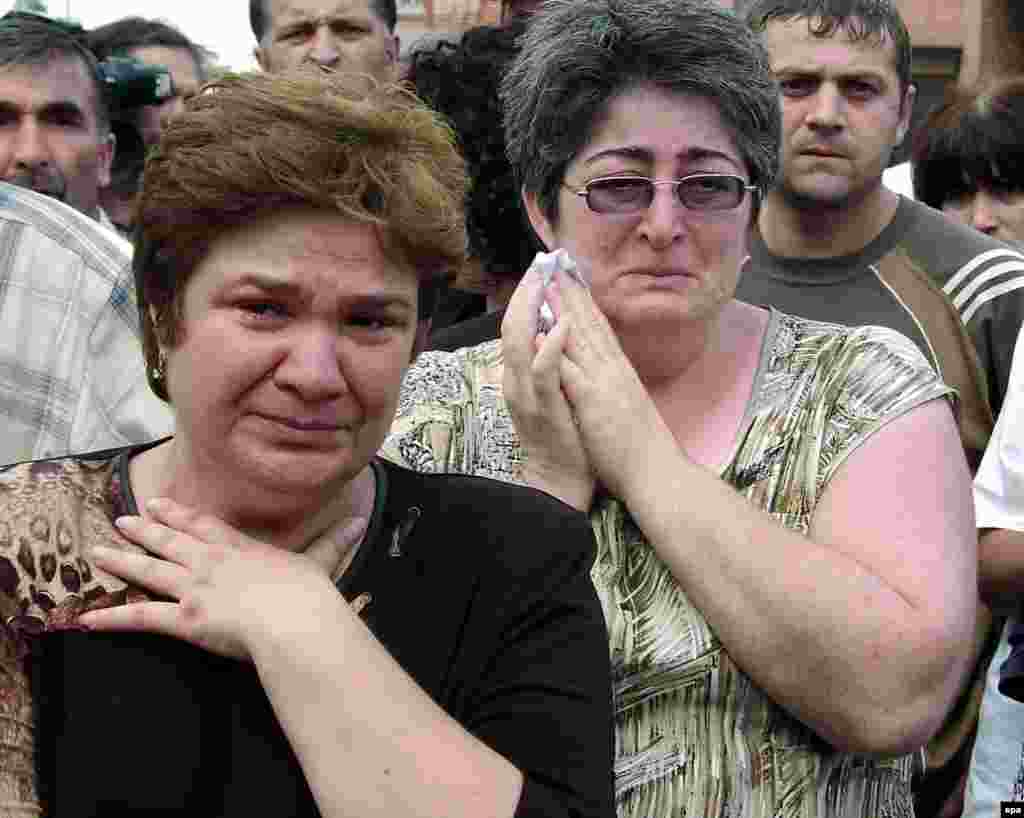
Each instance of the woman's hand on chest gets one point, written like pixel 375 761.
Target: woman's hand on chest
pixel 219 589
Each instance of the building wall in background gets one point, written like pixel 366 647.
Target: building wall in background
pixel 965 39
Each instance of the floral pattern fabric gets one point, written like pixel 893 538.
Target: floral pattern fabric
pixel 694 735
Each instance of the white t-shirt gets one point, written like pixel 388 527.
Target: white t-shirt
pixel 997 765
pixel 898 178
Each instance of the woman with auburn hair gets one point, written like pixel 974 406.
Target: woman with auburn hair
pixel 786 555
pixel 257 616
pixel 461 81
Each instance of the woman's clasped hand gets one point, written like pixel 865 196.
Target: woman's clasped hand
pixel 581 410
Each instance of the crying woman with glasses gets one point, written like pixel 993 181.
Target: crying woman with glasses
pixel 786 549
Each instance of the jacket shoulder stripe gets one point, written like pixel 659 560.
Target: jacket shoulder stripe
pixel 964 272
pixel 989 294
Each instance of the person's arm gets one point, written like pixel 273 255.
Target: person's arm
pixel 875 605
pixel 369 739
pixel 545 699
pixel 422 436
pixel 554 458
pixel 533 676
pixel 999 495
pixel 860 629
pixel 1001 569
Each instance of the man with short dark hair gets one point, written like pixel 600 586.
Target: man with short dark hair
pixel 339 35
pixel 833 244
pixel 54 123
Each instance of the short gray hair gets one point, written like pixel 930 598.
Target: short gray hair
pixel 577 55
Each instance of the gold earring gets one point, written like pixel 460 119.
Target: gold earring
pixel 157 373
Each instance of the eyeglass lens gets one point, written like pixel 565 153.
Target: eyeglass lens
pixel 629 194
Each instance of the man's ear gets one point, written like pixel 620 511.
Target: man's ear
pixel 154 320
pixel 906 111
pixel 106 160
pixel 538 221
pixel 261 58
pixel 422 334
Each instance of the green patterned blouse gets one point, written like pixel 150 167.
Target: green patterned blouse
pixel 694 735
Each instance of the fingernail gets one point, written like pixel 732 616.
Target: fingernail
pixel 126 521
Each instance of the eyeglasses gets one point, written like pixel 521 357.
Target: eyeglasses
pixel 698 191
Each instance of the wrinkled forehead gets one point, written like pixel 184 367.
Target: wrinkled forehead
pixel 179 61
pixel 646 124
pixel 61 81
pixel 283 12
pixel 821 42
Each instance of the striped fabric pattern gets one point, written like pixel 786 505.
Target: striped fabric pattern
pixel 984 278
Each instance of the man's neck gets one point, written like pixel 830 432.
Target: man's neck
pixel 825 232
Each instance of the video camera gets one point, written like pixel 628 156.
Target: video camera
pixel 131 83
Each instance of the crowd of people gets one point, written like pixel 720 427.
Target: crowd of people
pixel 559 420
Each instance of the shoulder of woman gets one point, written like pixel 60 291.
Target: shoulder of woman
pixel 515 528
pixel 883 366
pixel 441 377
pixel 438 404
pixel 51 513
pixel 872 362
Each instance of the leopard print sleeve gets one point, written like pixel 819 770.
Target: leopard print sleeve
pixel 51 513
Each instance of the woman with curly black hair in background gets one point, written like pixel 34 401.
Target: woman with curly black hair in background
pixel 460 81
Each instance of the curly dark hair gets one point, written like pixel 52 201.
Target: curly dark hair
pixel 460 80
pixel 973 139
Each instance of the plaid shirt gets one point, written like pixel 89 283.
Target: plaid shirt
pixel 72 376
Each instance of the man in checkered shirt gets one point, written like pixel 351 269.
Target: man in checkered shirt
pixel 72 377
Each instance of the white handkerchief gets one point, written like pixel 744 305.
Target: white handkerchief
pixel 548 264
